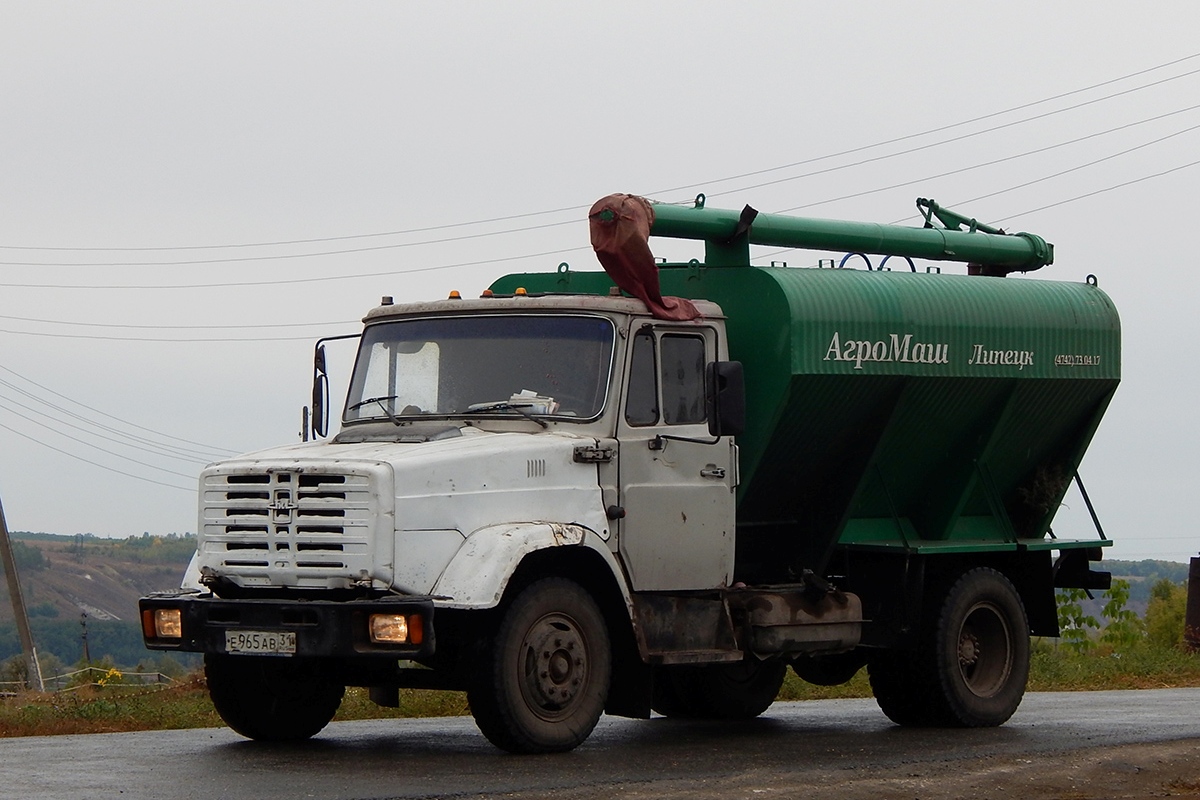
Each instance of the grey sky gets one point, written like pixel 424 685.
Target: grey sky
pixel 170 124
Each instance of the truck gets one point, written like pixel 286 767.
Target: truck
pixel 657 488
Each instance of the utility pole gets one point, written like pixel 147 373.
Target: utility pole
pixel 87 657
pixel 1191 620
pixel 34 670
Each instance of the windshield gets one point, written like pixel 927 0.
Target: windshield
pixel 518 365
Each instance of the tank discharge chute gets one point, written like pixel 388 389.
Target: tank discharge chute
pixel 728 235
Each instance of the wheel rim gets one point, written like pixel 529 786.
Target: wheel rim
pixel 554 666
pixel 985 650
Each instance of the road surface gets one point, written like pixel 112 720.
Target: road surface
pixel 1070 745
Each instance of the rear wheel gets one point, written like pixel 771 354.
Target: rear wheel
pixel 544 679
pixel 272 699
pixel 899 689
pixel 742 690
pixel 981 650
pixel 972 661
pixel 829 670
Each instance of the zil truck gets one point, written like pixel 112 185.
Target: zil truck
pixel 582 493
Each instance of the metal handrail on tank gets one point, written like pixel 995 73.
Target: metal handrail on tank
pixel 728 235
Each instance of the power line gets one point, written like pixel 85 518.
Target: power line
pixel 942 128
pixel 176 327
pixel 468 237
pixel 451 266
pixel 510 217
pixel 195 340
pixel 112 417
pixel 1101 191
pixel 526 229
pixel 317 240
pixel 997 161
pixel 393 273
pixel 1076 169
pixel 286 281
pixel 560 252
pixel 938 143
pixel 1043 179
pixel 89 444
pixel 285 256
pixel 96 464
pixel 156 448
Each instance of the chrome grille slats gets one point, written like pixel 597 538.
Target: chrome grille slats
pixel 287 527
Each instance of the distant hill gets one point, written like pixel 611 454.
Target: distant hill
pixel 62 576
pixel 1142 575
pixel 66 577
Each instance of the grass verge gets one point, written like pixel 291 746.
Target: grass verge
pixel 185 704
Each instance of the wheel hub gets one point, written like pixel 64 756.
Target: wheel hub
pixel 985 650
pixel 555 662
pixel 968 649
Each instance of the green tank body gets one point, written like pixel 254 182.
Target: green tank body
pixel 899 411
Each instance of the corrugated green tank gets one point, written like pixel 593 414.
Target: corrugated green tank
pixel 928 413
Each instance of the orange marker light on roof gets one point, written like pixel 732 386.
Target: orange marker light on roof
pixel 486 293
pixel 454 295
pixel 520 292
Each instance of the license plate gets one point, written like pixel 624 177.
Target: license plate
pixel 261 642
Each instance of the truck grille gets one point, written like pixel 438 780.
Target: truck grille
pixel 281 527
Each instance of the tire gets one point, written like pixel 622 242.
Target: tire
pixel 672 692
pixel 544 679
pixel 981 650
pixel 972 663
pixel 898 688
pixel 272 699
pixel 830 670
pixel 718 691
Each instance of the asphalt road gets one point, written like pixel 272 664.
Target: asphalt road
pixel 792 749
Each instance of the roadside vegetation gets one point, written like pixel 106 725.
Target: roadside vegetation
pixel 1114 648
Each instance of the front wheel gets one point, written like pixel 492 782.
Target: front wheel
pixel 272 699
pixel 544 678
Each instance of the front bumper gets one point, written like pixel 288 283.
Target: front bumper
pixel 323 628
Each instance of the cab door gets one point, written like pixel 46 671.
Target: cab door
pixel 676 480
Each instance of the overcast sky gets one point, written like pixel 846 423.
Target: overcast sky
pixel 226 127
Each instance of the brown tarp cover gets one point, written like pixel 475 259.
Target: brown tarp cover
pixel 621 242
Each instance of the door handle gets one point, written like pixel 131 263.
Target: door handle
pixel 713 471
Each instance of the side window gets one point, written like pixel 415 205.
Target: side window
pixel 641 404
pixel 682 379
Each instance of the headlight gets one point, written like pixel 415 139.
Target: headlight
pixel 162 623
pixel 396 628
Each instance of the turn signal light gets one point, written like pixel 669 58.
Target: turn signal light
pixel 396 629
pixel 162 623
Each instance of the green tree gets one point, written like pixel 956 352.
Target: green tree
pixel 43 609
pixel 1074 625
pixel 28 556
pixel 1165 614
pixel 14 670
pixel 1124 629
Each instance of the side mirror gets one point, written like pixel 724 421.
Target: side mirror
pixel 725 398
pixel 320 395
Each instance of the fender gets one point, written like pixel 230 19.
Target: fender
pixel 480 571
pixel 191 577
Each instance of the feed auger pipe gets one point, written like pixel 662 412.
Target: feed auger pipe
pixel 728 235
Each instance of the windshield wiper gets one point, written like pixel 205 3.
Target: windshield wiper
pixel 505 405
pixel 380 400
